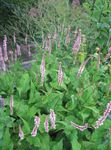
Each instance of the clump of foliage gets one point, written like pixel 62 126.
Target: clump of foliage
pixel 99 29
pixel 79 94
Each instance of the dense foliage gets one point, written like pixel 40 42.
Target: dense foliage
pixel 80 97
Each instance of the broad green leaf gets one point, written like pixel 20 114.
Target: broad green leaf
pixel 58 145
pixel 74 142
pixel 24 83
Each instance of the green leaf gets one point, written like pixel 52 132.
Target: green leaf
pixel 26 126
pixel 24 83
pixel 57 145
pixel 74 142
pixel 7 143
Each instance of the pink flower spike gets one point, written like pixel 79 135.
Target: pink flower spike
pixel 5 48
pixel 18 50
pixel 34 131
pixel 52 118
pixel 37 121
pixel 46 125
pixel 29 52
pixel 82 67
pixel 48 44
pixel 42 69
pixel 60 74
pixel 21 134
pixel 77 43
pixel 101 120
pixel 3 66
pixel 81 128
pixel 11 105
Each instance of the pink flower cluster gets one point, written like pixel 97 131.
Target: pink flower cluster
pixel 82 67
pixel 48 45
pixel 46 125
pixel 81 128
pixel 18 49
pixel 60 74
pixel 3 66
pixel 42 69
pixel 101 120
pixel 77 43
pixel 13 55
pixel 37 124
pixel 21 134
pixel 52 118
pixel 5 48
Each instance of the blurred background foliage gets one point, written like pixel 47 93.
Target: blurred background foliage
pixel 36 16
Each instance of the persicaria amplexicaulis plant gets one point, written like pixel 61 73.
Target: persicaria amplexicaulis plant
pixel 36 99
pixel 2 63
pixel 37 121
pixel 77 43
pixel 21 134
pixel 42 69
pixel 60 74
pixel 18 49
pixel 5 48
pixel 34 131
pixel 46 125
pixel 101 120
pixel 52 119
pixel 81 128
pixel 36 126
pixel 48 44
pixel 82 67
